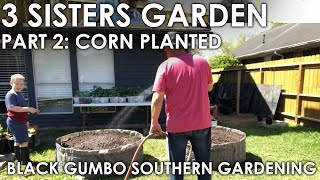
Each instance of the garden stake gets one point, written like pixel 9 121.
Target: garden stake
pixel 139 149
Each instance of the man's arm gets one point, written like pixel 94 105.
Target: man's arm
pixel 210 87
pixel 156 106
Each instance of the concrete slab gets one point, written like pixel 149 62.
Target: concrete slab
pixel 275 124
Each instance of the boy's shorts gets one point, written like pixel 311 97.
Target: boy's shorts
pixel 19 131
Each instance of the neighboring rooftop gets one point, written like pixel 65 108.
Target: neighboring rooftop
pixel 281 39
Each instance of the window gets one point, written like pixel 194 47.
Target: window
pixel 52 77
pixel 95 67
pixel 12 61
pixel 79 11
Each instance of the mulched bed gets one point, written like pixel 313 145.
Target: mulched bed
pixel 99 141
pixel 220 136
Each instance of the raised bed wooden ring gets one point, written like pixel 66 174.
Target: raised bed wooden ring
pixel 229 146
pixel 231 152
pixel 119 154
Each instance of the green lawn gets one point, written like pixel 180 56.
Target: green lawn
pixel 293 144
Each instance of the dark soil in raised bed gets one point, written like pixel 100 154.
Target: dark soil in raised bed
pixel 99 141
pixel 220 136
pixel 110 140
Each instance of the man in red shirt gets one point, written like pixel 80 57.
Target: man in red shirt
pixel 183 80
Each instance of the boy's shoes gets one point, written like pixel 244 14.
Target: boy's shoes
pixel 25 159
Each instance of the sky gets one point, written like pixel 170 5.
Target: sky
pixel 228 33
pixel 293 11
pixel 285 11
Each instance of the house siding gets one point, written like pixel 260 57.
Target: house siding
pixel 134 67
pixel 30 79
pixel 74 69
pixel 137 67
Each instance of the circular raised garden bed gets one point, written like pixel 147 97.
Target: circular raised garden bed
pixel 110 145
pixel 227 145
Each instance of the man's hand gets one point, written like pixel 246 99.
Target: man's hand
pixel 155 129
pixel 156 105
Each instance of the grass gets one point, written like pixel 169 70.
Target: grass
pixel 288 144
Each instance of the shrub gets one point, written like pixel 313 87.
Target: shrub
pixel 100 92
pixel 83 94
pixel 134 91
pixel 3 117
pixel 31 131
pixel 224 61
pixel 3 132
pixel 117 92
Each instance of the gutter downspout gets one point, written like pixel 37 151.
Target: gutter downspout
pixel 276 53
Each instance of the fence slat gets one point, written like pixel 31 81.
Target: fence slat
pixel 299 91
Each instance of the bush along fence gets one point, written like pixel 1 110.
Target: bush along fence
pixel 298 77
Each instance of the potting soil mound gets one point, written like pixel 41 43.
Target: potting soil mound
pixel 220 136
pixel 99 141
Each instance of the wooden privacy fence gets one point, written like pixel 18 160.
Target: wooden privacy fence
pixel 299 78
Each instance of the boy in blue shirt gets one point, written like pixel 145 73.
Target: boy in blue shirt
pixel 17 120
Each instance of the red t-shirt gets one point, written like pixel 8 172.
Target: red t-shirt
pixel 184 80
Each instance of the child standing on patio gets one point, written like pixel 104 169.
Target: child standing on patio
pixel 17 120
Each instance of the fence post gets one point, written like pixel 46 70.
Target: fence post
pixel 238 92
pixel 299 91
pixel 261 76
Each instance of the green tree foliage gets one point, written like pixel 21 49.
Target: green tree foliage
pixel 257 5
pixel 228 47
pixel 275 24
pixel 196 51
pixel 223 61
pixel 226 58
